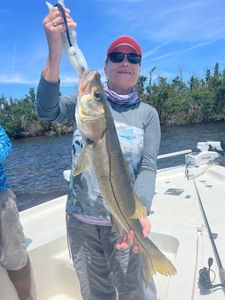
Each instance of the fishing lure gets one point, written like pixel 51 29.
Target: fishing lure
pixel 73 52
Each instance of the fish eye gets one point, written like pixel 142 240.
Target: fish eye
pixel 97 95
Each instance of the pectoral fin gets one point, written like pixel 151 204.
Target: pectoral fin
pixel 82 163
pixel 140 210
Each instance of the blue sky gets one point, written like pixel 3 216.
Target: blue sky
pixel 178 37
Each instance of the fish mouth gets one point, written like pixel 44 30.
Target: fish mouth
pixel 86 79
pixel 89 109
pixel 85 116
pixel 90 94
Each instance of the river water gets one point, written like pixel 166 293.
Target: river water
pixel 35 166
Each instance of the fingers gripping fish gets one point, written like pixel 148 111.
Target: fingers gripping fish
pixel 74 54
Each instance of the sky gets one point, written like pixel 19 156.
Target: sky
pixel 177 37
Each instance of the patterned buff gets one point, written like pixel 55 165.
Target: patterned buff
pixel 124 100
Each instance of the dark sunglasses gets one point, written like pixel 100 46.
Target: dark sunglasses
pixel 118 57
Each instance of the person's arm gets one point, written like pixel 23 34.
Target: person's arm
pixel 145 181
pixel 54 26
pixel 5 144
pixel 49 105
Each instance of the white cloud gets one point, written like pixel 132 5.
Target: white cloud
pixel 16 78
pixel 165 21
pixel 175 53
pixel 154 50
pixel 68 80
pixel 177 6
pixel 165 74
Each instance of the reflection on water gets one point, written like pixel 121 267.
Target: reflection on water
pixel 35 166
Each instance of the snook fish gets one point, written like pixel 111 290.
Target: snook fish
pixel 102 152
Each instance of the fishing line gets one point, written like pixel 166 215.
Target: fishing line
pixel 65 22
pixel 219 263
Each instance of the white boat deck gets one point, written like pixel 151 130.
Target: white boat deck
pixel 181 217
pixel 177 228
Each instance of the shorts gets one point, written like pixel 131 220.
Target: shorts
pixel 103 271
pixel 13 254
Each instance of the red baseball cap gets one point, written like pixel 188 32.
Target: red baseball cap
pixel 124 41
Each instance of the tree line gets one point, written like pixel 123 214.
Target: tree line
pixel 19 118
pixel 199 100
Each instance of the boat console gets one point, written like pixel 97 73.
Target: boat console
pixel 205 153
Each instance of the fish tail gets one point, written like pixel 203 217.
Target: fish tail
pixel 157 263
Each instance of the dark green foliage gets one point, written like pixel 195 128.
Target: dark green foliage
pixel 19 118
pixel 177 102
pixel 180 103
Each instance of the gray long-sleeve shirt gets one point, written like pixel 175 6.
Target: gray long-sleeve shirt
pixel 138 129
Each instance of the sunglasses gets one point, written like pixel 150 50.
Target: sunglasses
pixel 118 57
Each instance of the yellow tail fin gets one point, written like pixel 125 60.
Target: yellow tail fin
pixel 157 263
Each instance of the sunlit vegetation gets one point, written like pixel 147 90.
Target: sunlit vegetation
pixel 19 118
pixel 200 100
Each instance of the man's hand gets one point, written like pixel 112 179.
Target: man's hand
pixel 127 238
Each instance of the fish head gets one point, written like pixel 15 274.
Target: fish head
pixel 90 109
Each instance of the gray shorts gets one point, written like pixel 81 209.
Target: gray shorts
pixel 103 271
pixel 13 254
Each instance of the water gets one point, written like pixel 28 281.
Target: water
pixel 35 166
pixel 186 137
pixel 35 169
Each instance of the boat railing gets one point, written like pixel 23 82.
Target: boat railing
pixel 171 154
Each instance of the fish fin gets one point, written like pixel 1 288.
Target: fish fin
pixel 140 210
pixel 82 163
pixel 157 263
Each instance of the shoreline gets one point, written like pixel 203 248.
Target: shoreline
pixel 52 133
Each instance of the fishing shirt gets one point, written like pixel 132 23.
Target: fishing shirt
pixel 5 148
pixel 138 130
